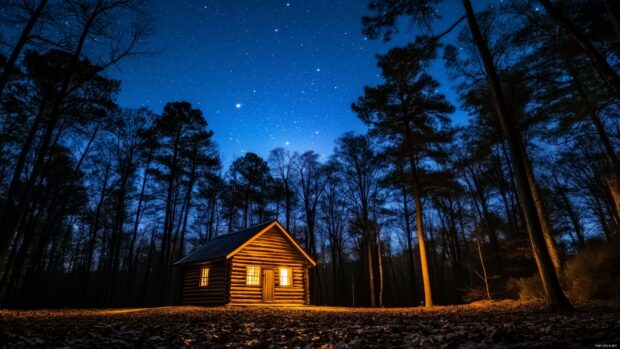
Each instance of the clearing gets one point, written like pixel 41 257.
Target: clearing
pixel 482 324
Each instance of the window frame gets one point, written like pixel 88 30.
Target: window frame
pixel 258 275
pixel 289 276
pixel 202 277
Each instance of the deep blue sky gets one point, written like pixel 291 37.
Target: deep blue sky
pixel 265 73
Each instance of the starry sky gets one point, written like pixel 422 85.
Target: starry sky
pixel 266 73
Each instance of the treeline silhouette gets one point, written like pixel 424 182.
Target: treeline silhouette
pixel 99 201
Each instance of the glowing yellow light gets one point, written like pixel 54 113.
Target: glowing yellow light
pixel 253 275
pixel 285 277
pixel 204 277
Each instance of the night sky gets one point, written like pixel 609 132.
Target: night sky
pixel 266 73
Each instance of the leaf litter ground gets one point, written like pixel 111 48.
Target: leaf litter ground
pixel 508 324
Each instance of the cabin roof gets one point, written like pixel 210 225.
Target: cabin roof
pixel 225 246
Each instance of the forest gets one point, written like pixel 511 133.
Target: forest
pixel 522 201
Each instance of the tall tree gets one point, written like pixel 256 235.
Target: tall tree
pixel 252 179
pixel 282 162
pixel 333 209
pixel 309 184
pixel 407 110
pixel 180 134
pixel 361 172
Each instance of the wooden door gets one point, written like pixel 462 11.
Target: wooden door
pixel 268 285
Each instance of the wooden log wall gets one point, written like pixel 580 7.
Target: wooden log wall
pixel 271 250
pixel 215 293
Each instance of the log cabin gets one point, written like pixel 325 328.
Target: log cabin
pixel 260 264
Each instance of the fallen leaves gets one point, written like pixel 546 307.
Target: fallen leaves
pixel 504 324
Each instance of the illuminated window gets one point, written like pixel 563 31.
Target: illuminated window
pixel 286 277
pixel 204 277
pixel 252 275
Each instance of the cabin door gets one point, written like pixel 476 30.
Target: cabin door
pixel 268 285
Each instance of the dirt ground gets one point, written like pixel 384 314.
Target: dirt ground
pixel 508 324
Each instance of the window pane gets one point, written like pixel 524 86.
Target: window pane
pixel 204 277
pixel 253 275
pixel 285 277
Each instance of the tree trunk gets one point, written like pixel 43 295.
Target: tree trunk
pixel 188 203
pixel 136 224
pixel 246 208
pixel 514 229
pixel 146 296
pixel 287 198
pixel 371 276
pixel 555 297
pixel 380 270
pixel 602 217
pixel 408 233
pixel 231 210
pixel 488 226
pixel 7 221
pixel 484 269
pixel 165 252
pixel 93 235
pixel 334 256
pixel 568 207
pixel 428 297
pixel 465 244
pixel 542 216
pixel 614 190
pixel 454 237
pixel 510 191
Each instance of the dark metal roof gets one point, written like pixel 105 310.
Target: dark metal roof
pixel 222 245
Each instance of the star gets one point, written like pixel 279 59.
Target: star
pixel 249 59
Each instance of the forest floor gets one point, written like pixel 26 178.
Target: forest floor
pixel 483 324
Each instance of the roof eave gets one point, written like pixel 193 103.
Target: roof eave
pixel 202 261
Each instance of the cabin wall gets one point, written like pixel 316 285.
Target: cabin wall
pixel 270 251
pixel 215 293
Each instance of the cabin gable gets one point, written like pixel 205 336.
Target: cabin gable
pixel 273 251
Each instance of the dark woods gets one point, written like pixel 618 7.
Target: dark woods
pixel 98 201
